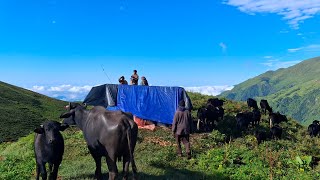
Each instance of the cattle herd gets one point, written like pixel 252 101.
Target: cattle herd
pixel 114 134
pixel 213 112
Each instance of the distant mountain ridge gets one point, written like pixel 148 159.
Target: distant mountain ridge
pixel 294 91
pixel 22 110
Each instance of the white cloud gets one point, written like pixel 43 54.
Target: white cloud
pixel 64 92
pixel 223 46
pixel 292 11
pixel 37 88
pixel 268 57
pixel 79 89
pixel 276 64
pixel 310 48
pixel 294 50
pixel 60 88
pixel 209 90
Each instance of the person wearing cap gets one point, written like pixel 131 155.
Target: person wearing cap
pixel 182 128
pixel 122 80
pixel 134 78
pixel 144 81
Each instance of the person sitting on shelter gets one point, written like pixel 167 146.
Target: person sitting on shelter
pixel 182 128
pixel 134 78
pixel 122 80
pixel 144 81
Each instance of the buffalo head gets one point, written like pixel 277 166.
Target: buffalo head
pixel 69 117
pixel 51 130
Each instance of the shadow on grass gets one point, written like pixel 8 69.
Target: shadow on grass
pixel 174 173
pixel 170 173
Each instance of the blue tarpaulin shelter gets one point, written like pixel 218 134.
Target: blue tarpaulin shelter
pixel 155 103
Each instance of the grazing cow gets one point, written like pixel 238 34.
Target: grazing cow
pixel 265 106
pixel 202 119
pixel 220 111
pixel 260 136
pixel 314 128
pixel 217 103
pixel 276 132
pixel 256 116
pixel 212 115
pixel 49 148
pixel 243 120
pixel 112 134
pixel 276 118
pixel 252 103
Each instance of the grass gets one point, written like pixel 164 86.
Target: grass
pixel 226 153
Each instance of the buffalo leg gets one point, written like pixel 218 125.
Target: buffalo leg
pixel 50 167
pixel 38 171
pixel 54 173
pixel 198 125
pixel 97 160
pixel 134 167
pixel 112 166
pixel 126 163
pixel 43 171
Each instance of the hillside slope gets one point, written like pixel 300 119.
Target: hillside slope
pixel 225 153
pixel 294 90
pixel 22 110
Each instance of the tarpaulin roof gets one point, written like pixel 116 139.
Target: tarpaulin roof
pixel 104 95
pixel 155 103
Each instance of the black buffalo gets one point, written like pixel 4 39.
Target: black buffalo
pixel 276 132
pixel 212 115
pixel 256 116
pixel 215 102
pixel 243 120
pixel 202 119
pixel 260 136
pixel 49 148
pixel 252 103
pixel 314 128
pixel 112 134
pixel 265 106
pixel 276 118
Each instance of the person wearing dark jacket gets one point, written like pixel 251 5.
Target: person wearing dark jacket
pixel 122 80
pixel 181 128
pixel 144 81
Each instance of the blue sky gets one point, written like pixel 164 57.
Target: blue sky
pixel 175 43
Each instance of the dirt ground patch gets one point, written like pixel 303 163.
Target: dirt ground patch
pixel 158 140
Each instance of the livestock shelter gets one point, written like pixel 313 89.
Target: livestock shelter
pixel 154 103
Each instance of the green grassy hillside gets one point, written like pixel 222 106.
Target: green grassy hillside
pixel 22 110
pixel 294 90
pixel 225 153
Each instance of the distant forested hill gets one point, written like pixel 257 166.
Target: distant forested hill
pixel 294 91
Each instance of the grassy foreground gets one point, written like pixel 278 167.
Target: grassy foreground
pixel 223 154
